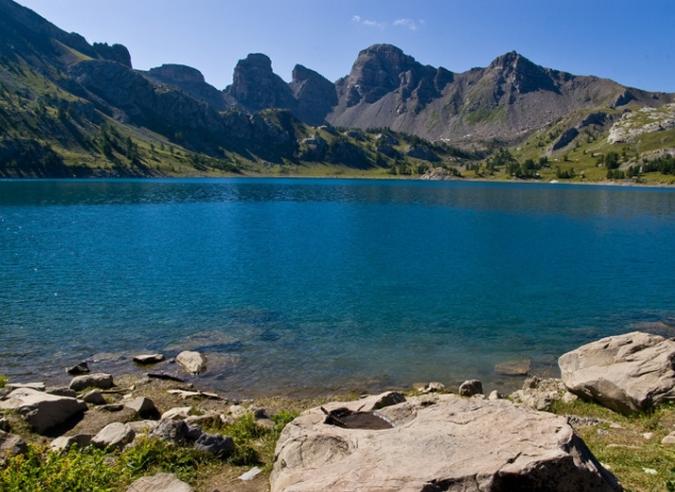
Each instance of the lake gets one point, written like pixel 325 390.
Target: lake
pixel 297 286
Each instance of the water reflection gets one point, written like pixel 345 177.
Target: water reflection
pixel 505 197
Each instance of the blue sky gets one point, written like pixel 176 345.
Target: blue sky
pixel 628 41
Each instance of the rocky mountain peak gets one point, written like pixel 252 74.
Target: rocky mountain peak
pixel 116 52
pixel 315 95
pixel 376 72
pixel 383 69
pixel 190 81
pixel 523 75
pixel 389 57
pixel 174 74
pixel 302 74
pixel 255 86
pixel 255 62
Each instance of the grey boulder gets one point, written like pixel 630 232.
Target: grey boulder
pixel 11 445
pixel 176 432
pixel 192 362
pixel 627 373
pixel 143 426
pixel 115 435
pixel 437 443
pixel 215 444
pixel 96 380
pixel 471 388
pixel 94 397
pixel 64 443
pixel 42 410
pixel 162 482
pixel 514 367
pixel 144 407
pixel 35 386
pixel 539 393
pixel 147 359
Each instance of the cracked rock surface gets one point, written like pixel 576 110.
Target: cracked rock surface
pixel 438 443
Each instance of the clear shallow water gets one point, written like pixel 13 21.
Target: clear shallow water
pixel 296 285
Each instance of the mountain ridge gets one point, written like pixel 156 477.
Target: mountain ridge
pixel 67 106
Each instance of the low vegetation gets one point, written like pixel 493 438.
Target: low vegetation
pixel 630 447
pixel 98 470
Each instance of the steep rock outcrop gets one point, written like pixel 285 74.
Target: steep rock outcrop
pixel 508 100
pixel 383 69
pixel 191 81
pixel 315 95
pixel 255 86
pixel 116 52
pixel 181 118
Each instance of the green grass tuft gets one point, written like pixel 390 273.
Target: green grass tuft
pixel 629 446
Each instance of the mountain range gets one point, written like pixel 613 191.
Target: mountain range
pixel 69 107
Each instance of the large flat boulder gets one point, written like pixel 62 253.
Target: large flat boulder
pixel 627 373
pixel 434 443
pixel 42 410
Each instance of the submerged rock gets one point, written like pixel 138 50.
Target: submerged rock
pixel 147 359
pixel 514 368
pixel 79 369
pixel 192 362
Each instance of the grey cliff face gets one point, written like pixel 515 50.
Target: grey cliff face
pixel 191 81
pixel 383 69
pixel 255 86
pixel 315 95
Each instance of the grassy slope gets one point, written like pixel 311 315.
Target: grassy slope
pixel 33 107
pixel 88 142
pixel 584 152
pixel 630 447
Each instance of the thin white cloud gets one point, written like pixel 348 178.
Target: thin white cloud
pixel 368 23
pixel 409 24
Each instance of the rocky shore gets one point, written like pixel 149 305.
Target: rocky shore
pixel 427 439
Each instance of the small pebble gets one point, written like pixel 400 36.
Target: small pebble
pixel 251 474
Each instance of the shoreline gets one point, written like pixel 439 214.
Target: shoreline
pixel 602 183
pixel 211 379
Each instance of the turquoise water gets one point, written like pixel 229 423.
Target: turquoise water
pixel 300 285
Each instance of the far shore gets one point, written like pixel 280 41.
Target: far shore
pixel 601 183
